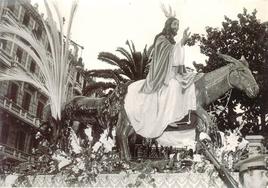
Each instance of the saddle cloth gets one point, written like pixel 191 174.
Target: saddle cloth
pixel 150 114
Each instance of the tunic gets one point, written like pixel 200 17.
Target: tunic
pixel 164 96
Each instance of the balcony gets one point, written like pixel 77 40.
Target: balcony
pixel 8 14
pixel 16 110
pixel 4 57
pixel 14 153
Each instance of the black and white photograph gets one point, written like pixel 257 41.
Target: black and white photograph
pixel 134 93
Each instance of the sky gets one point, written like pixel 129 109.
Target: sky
pixel 105 25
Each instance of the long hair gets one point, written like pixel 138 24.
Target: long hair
pixel 167 31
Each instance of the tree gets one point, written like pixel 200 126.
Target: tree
pixel 245 36
pixel 132 67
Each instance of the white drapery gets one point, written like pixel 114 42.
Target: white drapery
pixel 150 114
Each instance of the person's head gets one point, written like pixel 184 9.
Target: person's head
pixel 254 178
pixel 170 29
pixel 253 171
pixel 171 26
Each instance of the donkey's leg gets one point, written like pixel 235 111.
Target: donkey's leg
pixel 125 134
pixel 119 130
pixel 204 120
pixel 122 133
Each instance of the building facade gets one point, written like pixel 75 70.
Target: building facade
pixel 21 104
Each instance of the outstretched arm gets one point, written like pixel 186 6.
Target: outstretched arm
pixel 179 53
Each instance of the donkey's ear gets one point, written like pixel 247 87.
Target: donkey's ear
pixel 227 58
pixel 244 61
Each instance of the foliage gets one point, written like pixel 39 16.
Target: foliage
pixel 245 36
pixel 82 164
pixel 133 66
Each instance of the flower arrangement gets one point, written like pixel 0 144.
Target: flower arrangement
pixel 81 165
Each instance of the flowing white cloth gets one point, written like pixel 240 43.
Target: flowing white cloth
pixel 150 114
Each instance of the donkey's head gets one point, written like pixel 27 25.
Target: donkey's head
pixel 240 76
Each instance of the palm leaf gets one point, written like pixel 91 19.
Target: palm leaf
pixel 129 59
pixel 115 74
pixel 53 67
pixel 102 73
pixel 24 76
pixel 114 60
pixel 108 58
pixel 93 87
pixel 124 52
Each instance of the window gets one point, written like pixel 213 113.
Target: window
pixel 4 133
pixel 43 98
pixel 24 58
pixel 26 19
pixel 38 32
pixel 32 67
pixel 84 84
pixel 19 54
pixel 13 92
pixel 8 47
pixel 26 101
pixel 31 24
pixel 20 140
pixel 3 44
pixel 11 5
pixel 77 77
pixel 39 111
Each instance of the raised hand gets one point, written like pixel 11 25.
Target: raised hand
pixel 186 36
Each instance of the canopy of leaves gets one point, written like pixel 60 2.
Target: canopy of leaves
pixel 132 66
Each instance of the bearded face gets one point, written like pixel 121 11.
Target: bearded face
pixel 174 27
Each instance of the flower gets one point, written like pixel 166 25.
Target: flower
pixel 88 132
pixel 75 142
pixel 96 146
pixel 107 142
pixel 197 158
pixel 62 159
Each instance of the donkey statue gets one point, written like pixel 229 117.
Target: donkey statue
pixel 209 88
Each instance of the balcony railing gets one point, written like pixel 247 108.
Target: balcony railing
pixel 14 153
pixel 15 109
pixel 8 14
pixel 4 57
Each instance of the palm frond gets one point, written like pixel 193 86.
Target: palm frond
pixel 53 68
pixel 129 58
pixel 17 72
pixel 95 86
pixel 115 74
pixel 101 73
pixel 108 58
pixel 125 53
pixel 133 47
pixel 114 60
pixel 126 69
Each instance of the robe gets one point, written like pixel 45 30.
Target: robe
pixel 165 96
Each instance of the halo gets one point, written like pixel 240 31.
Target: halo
pixel 168 12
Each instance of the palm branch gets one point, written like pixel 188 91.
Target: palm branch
pixel 114 60
pixel 133 66
pixel 53 67
pixel 93 87
pixel 106 74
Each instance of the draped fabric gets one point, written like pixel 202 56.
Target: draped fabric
pixel 160 66
pixel 165 96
